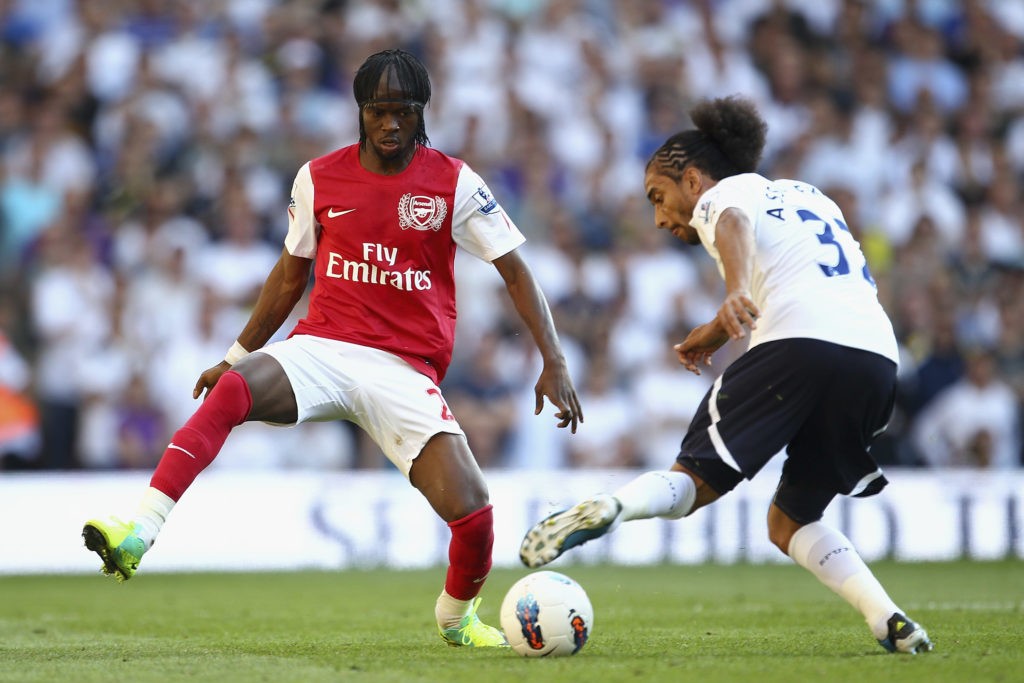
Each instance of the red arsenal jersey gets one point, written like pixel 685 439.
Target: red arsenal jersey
pixel 384 250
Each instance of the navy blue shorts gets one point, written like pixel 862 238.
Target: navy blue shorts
pixel 823 403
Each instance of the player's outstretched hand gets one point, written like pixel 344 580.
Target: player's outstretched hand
pixel 556 384
pixel 700 345
pixel 209 378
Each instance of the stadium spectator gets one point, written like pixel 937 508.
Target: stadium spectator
pixel 973 422
pixel 472 47
pixel 818 379
pixel 378 335
pixel 841 154
pixel 533 445
pixel 611 439
pixel 19 419
pixel 103 377
pixel 233 266
pixel 922 197
pixel 587 308
pixel 664 401
pixel 942 364
pixel 69 307
pixel 27 207
pixel 484 399
pixel 921 73
pixel 1002 235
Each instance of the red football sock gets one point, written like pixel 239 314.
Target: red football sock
pixel 197 443
pixel 469 553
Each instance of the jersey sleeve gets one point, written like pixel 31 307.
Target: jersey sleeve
pixel 302 226
pixel 479 224
pixel 735 192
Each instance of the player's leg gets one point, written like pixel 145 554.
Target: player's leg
pixel 671 495
pixel 255 389
pixel 448 476
pixel 727 439
pixel 830 556
pixel 405 414
pixel 830 456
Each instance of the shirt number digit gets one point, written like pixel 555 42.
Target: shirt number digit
pixel 446 414
pixel 828 237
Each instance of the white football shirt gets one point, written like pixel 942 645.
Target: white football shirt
pixel 810 278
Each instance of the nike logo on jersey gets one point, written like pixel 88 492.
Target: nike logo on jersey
pixel 331 213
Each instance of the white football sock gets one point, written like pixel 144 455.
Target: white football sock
pixel 449 611
pixel 153 510
pixel 831 557
pixel 668 494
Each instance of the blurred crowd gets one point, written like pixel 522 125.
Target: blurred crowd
pixel 147 149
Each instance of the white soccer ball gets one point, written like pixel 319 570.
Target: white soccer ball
pixel 546 614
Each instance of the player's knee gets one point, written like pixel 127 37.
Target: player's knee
pixel 780 540
pixel 448 476
pixel 457 498
pixel 480 520
pixel 781 528
pixel 469 502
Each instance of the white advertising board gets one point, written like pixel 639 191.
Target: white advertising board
pixel 241 520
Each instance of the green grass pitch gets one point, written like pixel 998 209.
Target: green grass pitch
pixel 666 623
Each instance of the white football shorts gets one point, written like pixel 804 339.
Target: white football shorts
pixel 399 407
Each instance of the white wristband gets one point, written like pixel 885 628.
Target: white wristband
pixel 236 353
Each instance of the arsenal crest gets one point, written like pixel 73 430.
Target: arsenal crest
pixel 421 213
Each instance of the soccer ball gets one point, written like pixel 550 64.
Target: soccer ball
pixel 546 614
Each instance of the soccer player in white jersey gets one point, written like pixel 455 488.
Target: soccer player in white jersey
pixel 378 222
pixel 818 378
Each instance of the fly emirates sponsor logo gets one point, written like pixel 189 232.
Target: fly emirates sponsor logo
pixel 377 267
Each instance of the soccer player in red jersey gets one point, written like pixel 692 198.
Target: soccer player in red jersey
pixel 378 222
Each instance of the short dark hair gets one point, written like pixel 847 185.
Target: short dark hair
pixel 409 75
pixel 728 140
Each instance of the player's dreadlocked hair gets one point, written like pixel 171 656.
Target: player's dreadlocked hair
pixel 401 71
pixel 728 140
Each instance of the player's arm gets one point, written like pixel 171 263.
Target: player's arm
pixel 281 291
pixel 554 381
pixel 734 240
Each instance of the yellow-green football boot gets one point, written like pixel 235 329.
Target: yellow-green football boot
pixel 118 545
pixel 472 632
